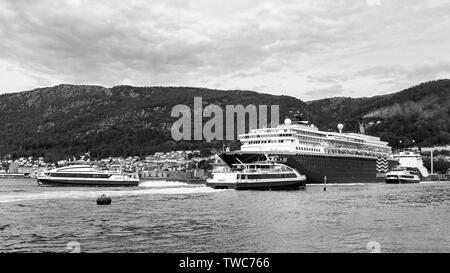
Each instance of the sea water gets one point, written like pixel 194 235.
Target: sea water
pixel 178 217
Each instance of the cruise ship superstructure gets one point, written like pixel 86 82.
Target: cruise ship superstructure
pixel 340 157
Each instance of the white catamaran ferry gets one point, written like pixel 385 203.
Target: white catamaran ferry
pixel 258 176
pixel 86 175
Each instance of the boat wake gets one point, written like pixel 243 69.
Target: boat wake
pixel 338 184
pixel 167 184
pixel 146 188
pixel 433 182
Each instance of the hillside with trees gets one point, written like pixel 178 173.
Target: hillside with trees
pixel 65 120
pixel 418 115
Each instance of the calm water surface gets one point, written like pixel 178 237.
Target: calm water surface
pixel 177 217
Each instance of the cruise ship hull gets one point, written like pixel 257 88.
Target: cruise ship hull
pixel 336 168
pixel 95 183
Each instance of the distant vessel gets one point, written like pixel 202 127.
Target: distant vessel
pixel 86 175
pixel 12 175
pixel 341 157
pixel 403 175
pixel 258 176
pixel 410 159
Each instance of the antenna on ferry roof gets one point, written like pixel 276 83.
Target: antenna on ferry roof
pixel 361 126
pixel 269 159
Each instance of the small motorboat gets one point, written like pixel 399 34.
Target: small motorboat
pixel 403 176
pixel 258 176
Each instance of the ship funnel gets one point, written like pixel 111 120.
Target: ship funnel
pixel 361 126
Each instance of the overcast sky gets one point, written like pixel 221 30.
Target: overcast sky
pixel 307 49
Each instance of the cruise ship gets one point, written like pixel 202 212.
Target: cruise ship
pixel 86 175
pixel 337 157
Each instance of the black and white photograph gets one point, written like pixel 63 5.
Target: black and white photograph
pixel 246 127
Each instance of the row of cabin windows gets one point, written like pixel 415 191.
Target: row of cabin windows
pixel 308 138
pixel 80 175
pixel 310 134
pixel 269 135
pixel 308 149
pixel 269 141
pixel 267 176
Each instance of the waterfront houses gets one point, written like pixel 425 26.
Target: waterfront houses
pixel 160 164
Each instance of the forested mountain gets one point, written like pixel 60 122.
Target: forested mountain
pixel 64 120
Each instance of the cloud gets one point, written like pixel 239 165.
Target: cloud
pixel 413 74
pixel 421 71
pixel 284 47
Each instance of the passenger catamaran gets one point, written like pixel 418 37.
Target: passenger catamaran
pixel 340 157
pixel 86 175
pixel 265 175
